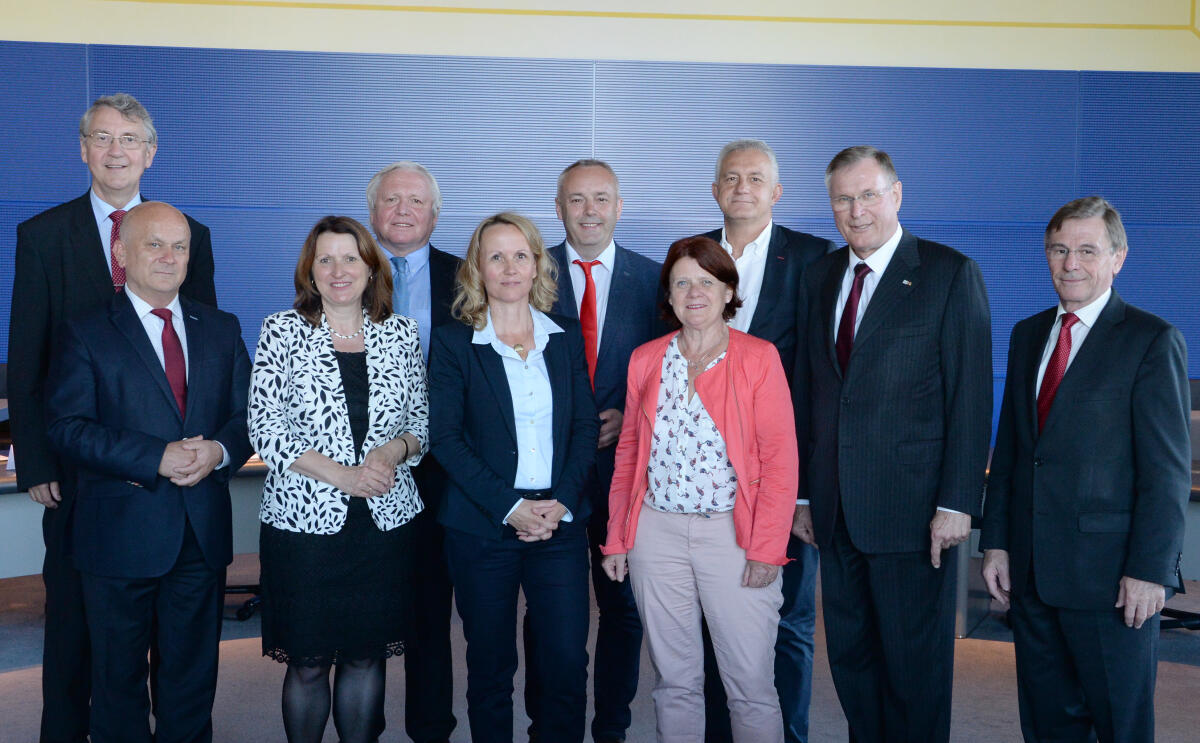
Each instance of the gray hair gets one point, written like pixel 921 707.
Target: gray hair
pixel 588 162
pixel 128 107
pixel 412 167
pixel 1086 208
pixel 857 154
pixel 738 145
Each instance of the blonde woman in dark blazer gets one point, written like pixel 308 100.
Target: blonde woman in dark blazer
pixel 338 412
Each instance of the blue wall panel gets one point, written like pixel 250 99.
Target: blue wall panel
pixel 258 145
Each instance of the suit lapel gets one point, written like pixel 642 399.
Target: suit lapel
pixel 130 325
pixel 897 283
pixel 558 369
pixel 493 372
pixel 1085 368
pixel 772 283
pixel 1037 343
pixel 88 248
pixel 196 353
pixel 565 304
pixel 829 296
pixel 442 267
pixel 620 289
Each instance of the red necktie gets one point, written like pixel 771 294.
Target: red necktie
pixel 118 273
pixel 587 318
pixel 1055 369
pixel 173 359
pixel 845 334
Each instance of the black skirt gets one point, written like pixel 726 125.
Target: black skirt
pixel 339 596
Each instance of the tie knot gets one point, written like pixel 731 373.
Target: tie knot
pixel 162 313
pixel 399 265
pixel 116 217
pixel 1069 319
pixel 861 270
pixel 586 265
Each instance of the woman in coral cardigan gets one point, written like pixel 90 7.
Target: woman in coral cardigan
pixel 706 476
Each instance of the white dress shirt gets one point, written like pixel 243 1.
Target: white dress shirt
pixel 601 277
pixel 1079 331
pixel 154 328
pixel 533 403
pixel 750 267
pixel 878 263
pixel 103 210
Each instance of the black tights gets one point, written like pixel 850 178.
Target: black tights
pixel 357 701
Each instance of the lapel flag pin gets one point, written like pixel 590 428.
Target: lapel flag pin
pixel 906 282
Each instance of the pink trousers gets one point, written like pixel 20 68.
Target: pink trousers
pixel 685 564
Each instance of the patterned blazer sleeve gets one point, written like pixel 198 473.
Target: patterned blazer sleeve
pixel 416 419
pixel 270 396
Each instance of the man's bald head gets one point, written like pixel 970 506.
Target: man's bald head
pixel 153 248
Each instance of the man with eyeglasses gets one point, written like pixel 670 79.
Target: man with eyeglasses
pixel 895 411
pixel 771 260
pixel 1084 518
pixel 65 268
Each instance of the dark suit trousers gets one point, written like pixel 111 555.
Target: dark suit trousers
pixel 184 608
pixel 428 664
pixel 66 655
pixel 618 637
pixel 1083 674
pixel 889 627
pixel 488 574
pixel 793 653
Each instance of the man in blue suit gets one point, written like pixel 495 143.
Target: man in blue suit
pixel 1083 522
pixel 614 293
pixel 148 401
pixel 771 261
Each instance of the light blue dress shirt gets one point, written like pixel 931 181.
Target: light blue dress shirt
pixel 420 306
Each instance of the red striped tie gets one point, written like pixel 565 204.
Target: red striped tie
pixel 1055 369
pixel 173 359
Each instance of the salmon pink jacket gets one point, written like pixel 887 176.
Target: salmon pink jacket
pixel 747 396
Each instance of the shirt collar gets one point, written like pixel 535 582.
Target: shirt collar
pixel 607 257
pixel 143 308
pixel 543 326
pixel 1088 314
pixel 103 210
pixel 879 260
pixel 757 246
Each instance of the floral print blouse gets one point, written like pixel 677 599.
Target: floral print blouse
pixel 689 471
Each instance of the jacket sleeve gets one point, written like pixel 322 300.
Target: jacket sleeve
pixel 270 397
pixel 775 434
pixel 966 354
pixel 233 433
pixel 994 535
pixel 28 363
pixel 198 284
pixel 1162 461
pixel 620 492
pixel 448 400
pixel 417 419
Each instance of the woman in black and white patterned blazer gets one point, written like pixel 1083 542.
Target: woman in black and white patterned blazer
pixel 338 412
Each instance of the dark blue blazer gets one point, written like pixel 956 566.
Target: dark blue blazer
pixel 473 432
pixel 1101 492
pixel 632 318
pixel 780 310
pixel 111 412
pixel 906 428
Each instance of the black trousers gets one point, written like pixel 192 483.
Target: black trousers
pixel 428 664
pixel 1083 674
pixel 66 655
pixel 488 576
pixel 889 627
pixel 181 611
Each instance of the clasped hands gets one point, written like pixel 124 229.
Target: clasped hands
pixel 376 475
pixel 536 520
pixel 189 461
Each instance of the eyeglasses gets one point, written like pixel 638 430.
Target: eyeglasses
pixel 102 140
pixel 1083 255
pixel 866 198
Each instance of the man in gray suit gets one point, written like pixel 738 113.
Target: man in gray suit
pixel 895 413
pixel 1084 518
